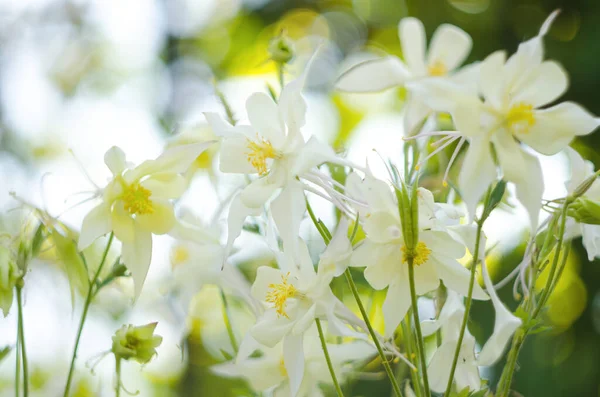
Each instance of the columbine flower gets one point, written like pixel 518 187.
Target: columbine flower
pixel 449 47
pixel 135 204
pixel 383 251
pixel 580 171
pixel 272 147
pixel 268 373
pixel 515 92
pixel 467 373
pixel 9 275
pixel 136 343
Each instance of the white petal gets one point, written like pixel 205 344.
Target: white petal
pixel 548 82
pixel 122 223
pixel 449 45
pixel 467 375
pixel 452 305
pixel 176 159
pixel 265 276
pixel 439 367
pixel 457 278
pixel 219 126
pixel 165 185
pixel 95 224
pixel 591 240
pixel 415 111
pixel 477 173
pixel 292 105
pixel 396 304
pixel 426 277
pixel 234 156
pixel 114 158
pixel 287 211
pixel 136 255
pixel 531 188
pixel 271 328
pixel 382 227
pixel 265 119
pixel 412 37
pixel 312 154
pixel 238 213
pixel 510 155
pixel 161 221
pixel 293 357
pixel 490 78
pixel 374 75
pixel 256 194
pixel 580 169
pixel 442 244
pixel 556 126
pixel 382 265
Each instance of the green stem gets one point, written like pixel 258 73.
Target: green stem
pixel 21 337
pixel 463 326
pixel 328 359
pixel 408 340
pixel 384 360
pixel 280 76
pixel 415 310
pixel 86 306
pixel 118 372
pixel 521 334
pixel 227 320
pixel 18 362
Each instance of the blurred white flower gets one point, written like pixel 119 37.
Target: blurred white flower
pixel 135 204
pixel 9 274
pixel 382 251
pixel 449 47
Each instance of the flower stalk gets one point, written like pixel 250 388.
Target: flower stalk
pixel 328 359
pixel 21 340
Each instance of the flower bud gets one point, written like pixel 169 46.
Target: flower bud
pixel 584 210
pixel 281 49
pixel 9 275
pixel 137 343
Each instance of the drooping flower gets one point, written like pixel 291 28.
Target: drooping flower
pixel 136 343
pixel 384 254
pixel 136 204
pixel 511 114
pixel 466 373
pixel 449 47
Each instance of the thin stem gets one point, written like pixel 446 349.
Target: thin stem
pixel 328 359
pixel 384 360
pixel 408 340
pixel 118 372
pixel 463 326
pixel 227 320
pixel 415 310
pixel 280 76
pixel 86 306
pixel 18 362
pixel 21 337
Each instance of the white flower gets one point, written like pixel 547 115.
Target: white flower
pixel 466 373
pixel 270 373
pixel 136 204
pixel 382 251
pixel 514 93
pixel 9 274
pixel 273 148
pixel 449 47
pixel 580 170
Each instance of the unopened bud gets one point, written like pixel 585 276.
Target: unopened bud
pixel 136 343
pixel 585 185
pixel 281 49
pixel 584 210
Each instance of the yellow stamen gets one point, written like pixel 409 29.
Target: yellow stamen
pixel 421 254
pixel 279 294
pixel 437 69
pixel 261 150
pixel 137 200
pixel 282 369
pixel 520 118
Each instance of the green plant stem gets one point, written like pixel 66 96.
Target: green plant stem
pixel 415 310
pixel 227 320
pixel 465 320
pixel 118 372
pixel 18 363
pixel 363 312
pixel 86 306
pixel 21 338
pixel 521 333
pixel 408 340
pixel 328 359
pixel 280 75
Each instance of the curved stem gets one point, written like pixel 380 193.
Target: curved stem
pixel 415 310
pixel 328 359
pixel 227 320
pixel 463 326
pixel 86 306
pixel 21 337
pixel 118 372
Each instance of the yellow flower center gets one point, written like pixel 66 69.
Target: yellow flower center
pixel 520 118
pixel 421 254
pixel 282 369
pixel 261 150
pixel 179 255
pixel 279 294
pixel 437 69
pixel 137 200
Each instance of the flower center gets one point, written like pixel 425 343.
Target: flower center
pixel 421 254
pixel 137 200
pixel 520 118
pixel 279 294
pixel 261 150
pixel 437 69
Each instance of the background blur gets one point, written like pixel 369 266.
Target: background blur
pixel 85 75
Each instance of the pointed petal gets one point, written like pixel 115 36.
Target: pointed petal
pixel 219 126
pixel 373 75
pixel 265 119
pixel 312 154
pixel 477 173
pixel 415 111
pixel 450 45
pixel 236 217
pixel 165 185
pixel 95 224
pixel 176 159
pixel 271 328
pixel 287 211
pixel 256 194
pixel 233 156
pixel 292 106
pixel 548 82
pixel 490 78
pixel 412 38
pixel 293 357
pixel 114 158
pixel 136 255
pixel 457 278
pixel 439 368
pixel 382 265
pixel 396 304
pixel 122 223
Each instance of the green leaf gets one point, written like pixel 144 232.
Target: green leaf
pixel 38 240
pixel 74 266
pixel 480 393
pixel 4 352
